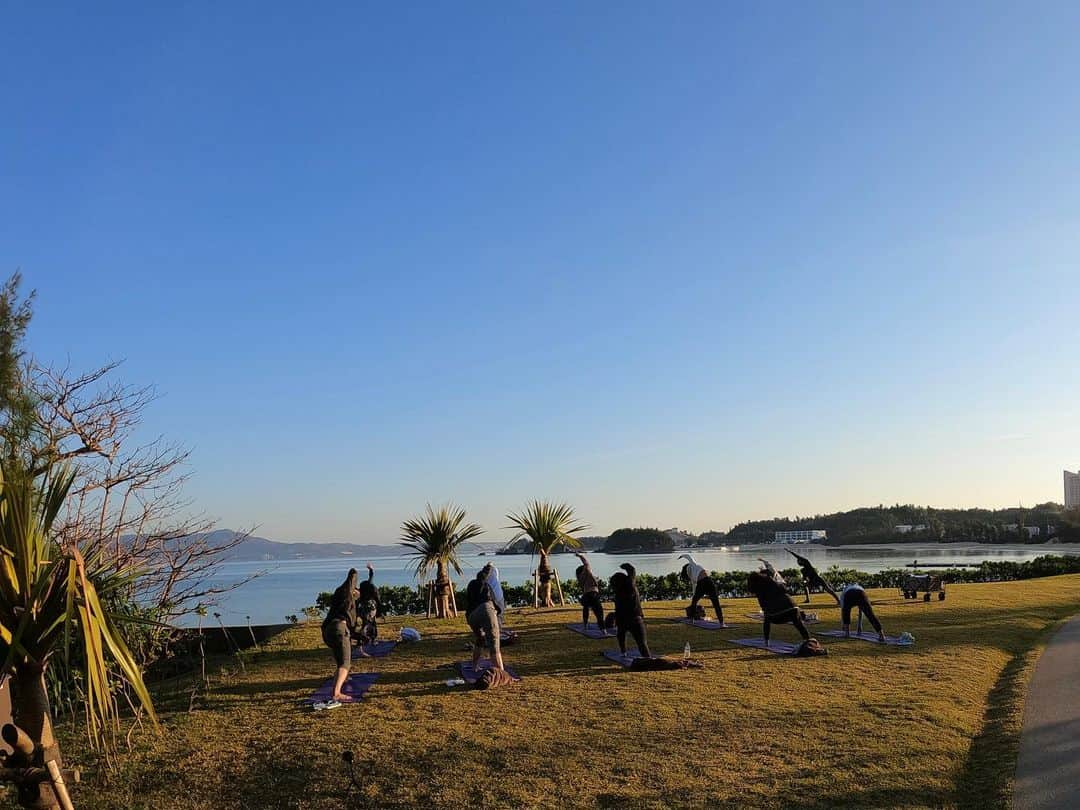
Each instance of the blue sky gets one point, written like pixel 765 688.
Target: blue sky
pixel 678 265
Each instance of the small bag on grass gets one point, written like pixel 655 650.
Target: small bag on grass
pixel 809 648
pixel 695 613
pixel 493 678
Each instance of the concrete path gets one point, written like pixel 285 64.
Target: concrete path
pixel 1048 768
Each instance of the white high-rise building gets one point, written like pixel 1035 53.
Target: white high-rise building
pixel 1072 490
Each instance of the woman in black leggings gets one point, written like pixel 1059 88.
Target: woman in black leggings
pixel 590 594
pixel 855 597
pixel 628 615
pixel 776 605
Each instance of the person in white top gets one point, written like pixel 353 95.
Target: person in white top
pixel 703 586
pixel 497 595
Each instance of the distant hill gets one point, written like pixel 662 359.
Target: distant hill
pixel 919 524
pixel 260 548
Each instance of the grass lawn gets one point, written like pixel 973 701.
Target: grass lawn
pixel 933 725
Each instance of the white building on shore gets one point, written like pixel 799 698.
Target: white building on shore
pixel 801 536
pixel 1072 490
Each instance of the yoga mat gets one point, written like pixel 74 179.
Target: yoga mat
pixel 705 624
pixel 355 686
pixel 775 647
pixel 377 650
pixel 871 636
pixel 592 631
pixel 470 675
pixel 619 658
pixel 759 616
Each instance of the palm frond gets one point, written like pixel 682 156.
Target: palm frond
pixel 547 525
pixel 435 537
pixel 51 597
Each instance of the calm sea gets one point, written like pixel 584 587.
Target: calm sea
pixel 285 587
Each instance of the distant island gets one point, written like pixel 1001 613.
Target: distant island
pixel 875 525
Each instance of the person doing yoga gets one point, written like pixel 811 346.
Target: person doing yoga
pixel 772 573
pixel 811 578
pixel 338 628
pixel 482 614
pixel 776 606
pixel 628 615
pixel 368 609
pixel 703 586
pixel 853 596
pixel 590 594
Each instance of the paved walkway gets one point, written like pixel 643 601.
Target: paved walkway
pixel 1048 769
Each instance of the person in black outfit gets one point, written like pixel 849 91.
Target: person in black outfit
pixel 703 584
pixel 776 605
pixel 369 610
pixel 482 614
pixel 338 628
pixel 811 578
pixel 628 615
pixel 855 597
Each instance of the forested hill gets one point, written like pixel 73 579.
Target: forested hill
pixel 878 525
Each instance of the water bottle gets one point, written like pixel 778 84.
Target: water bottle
pixel 686 652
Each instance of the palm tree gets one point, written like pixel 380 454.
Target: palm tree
pixel 434 539
pixel 50 600
pixel 546 525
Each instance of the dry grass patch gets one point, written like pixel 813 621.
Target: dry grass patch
pixel 932 726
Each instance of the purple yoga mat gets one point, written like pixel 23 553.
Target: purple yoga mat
pixel 775 647
pixel 619 658
pixel 356 685
pixel 377 650
pixel 871 636
pixel 705 624
pixel 470 675
pixel 761 617
pixel 592 631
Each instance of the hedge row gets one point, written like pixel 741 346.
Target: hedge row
pixel 402 600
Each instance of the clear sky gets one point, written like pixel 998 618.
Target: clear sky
pixel 678 264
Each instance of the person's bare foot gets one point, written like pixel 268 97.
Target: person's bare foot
pixel 881 636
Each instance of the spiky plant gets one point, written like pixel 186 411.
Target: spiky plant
pixel 547 525
pixel 434 539
pixel 50 600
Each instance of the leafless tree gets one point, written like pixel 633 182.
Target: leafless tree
pixel 128 499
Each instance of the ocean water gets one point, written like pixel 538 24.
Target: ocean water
pixel 285 587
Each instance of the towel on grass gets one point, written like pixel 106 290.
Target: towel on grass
pixel 355 686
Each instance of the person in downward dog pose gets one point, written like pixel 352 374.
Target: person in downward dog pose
pixel 811 578
pixel 628 615
pixel 703 586
pixel 776 606
pixel 854 596
pixel 590 594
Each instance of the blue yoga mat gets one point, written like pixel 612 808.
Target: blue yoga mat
pixel 592 631
pixel 871 636
pixel 619 658
pixel 705 624
pixel 377 650
pixel 470 675
pixel 355 686
pixel 775 647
